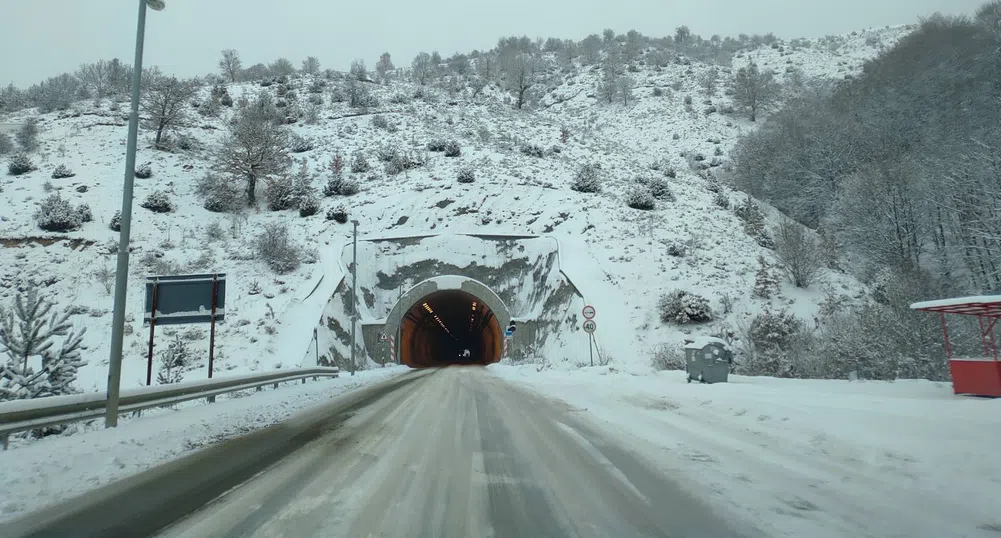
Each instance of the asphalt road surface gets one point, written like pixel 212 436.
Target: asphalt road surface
pixel 445 453
pixel 457 453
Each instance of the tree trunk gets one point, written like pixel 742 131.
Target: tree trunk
pixel 251 190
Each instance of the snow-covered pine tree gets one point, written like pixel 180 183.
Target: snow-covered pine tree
pixel 60 371
pixel 302 183
pixel 27 330
pixel 172 362
pixel 765 281
pixel 19 383
pixel 62 367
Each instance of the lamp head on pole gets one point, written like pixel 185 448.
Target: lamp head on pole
pixel 156 5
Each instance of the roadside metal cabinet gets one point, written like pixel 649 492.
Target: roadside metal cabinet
pixel 707 360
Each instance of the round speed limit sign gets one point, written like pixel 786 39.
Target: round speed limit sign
pixel 590 326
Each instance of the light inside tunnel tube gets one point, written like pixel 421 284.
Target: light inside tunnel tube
pixel 439 335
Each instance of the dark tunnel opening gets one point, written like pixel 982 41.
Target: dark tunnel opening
pixel 439 327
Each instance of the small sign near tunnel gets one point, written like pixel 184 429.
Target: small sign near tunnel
pixel 589 312
pixel 590 326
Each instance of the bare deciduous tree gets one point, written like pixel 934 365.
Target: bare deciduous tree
pixel 96 77
pixel 755 90
pixel 311 65
pixel 520 72
pixel 486 66
pixel 459 64
pixel 163 101
pixel 281 67
pixel 477 84
pixel 625 85
pixel 231 65
pixel 798 253
pixel 27 135
pixel 422 68
pixel 358 70
pixel 709 81
pixel 590 49
pixel 607 87
pixel 989 15
pixel 256 146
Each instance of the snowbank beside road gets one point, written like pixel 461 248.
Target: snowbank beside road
pixel 803 457
pixel 48 470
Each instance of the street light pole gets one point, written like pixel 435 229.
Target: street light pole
pixel 354 294
pixel 122 271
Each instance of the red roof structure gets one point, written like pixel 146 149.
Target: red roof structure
pixel 978 376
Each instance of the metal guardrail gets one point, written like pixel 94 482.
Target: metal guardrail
pixel 22 415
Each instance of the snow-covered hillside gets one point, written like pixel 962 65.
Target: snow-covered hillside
pixel 620 258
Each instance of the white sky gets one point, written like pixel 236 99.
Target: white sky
pixel 43 38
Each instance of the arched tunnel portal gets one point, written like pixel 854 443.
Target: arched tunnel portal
pixel 440 318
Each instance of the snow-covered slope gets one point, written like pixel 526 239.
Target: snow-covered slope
pixel 617 256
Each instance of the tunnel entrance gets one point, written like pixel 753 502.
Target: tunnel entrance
pixel 440 327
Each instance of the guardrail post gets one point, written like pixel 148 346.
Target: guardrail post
pixel 259 388
pixel 316 377
pixel 276 385
pixel 5 440
pixel 211 399
pixel 304 381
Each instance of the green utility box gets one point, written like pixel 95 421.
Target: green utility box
pixel 708 360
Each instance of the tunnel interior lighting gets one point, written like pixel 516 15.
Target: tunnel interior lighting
pixel 431 334
pixel 438 320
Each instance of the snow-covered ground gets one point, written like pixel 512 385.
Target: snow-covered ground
pixel 48 470
pixel 806 458
pixel 616 255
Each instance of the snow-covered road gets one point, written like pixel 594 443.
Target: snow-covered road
pixel 458 453
pixel 451 452
pixel 462 452
pixel 37 473
pixel 804 457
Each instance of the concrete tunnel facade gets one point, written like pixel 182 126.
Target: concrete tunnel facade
pixel 437 319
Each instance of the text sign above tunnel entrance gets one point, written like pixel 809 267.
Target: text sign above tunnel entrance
pixel 589 312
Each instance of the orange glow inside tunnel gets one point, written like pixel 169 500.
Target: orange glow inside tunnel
pixel 438 328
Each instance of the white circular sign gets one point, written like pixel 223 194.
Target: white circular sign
pixel 589 312
pixel 590 326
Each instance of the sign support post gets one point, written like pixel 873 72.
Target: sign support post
pixel 316 341
pixel 215 304
pixel 589 327
pixel 184 299
pixel 152 325
pixel 590 346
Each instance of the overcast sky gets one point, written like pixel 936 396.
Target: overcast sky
pixel 43 38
